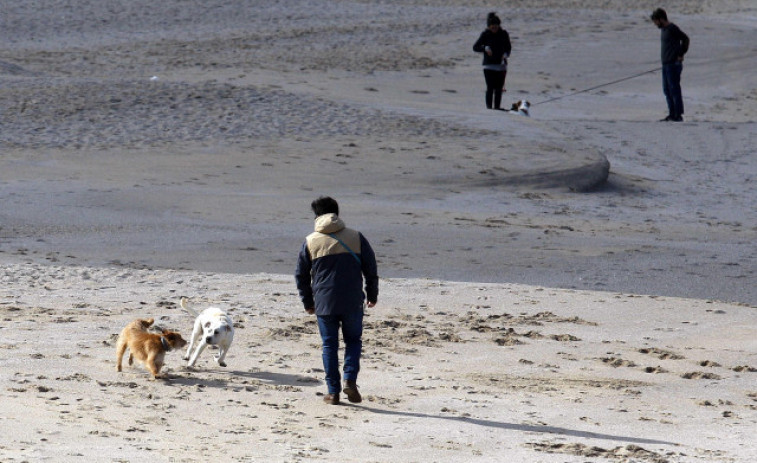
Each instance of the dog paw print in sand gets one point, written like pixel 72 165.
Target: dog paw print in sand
pixel 744 369
pixel 623 453
pixel 700 375
pixel 616 362
pixel 721 403
pixel 708 363
pixel 78 377
pixel 661 354
pixel 716 403
pixel 564 338
pixel 294 331
pixel 510 337
pixel 409 333
pixel 505 335
pixel 508 340
pixel 655 370
pixel 537 319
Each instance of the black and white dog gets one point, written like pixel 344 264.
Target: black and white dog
pixel 521 107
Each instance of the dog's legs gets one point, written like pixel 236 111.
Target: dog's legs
pixel 120 350
pixel 201 347
pixel 159 362
pixel 196 333
pixel 153 363
pixel 222 350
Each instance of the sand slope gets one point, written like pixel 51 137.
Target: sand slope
pixel 129 127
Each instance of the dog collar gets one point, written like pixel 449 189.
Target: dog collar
pixel 163 341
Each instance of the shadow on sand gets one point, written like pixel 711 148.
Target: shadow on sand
pixel 521 427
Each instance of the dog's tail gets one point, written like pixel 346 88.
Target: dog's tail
pixel 187 308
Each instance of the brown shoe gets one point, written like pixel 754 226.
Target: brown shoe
pixel 331 399
pixel 353 395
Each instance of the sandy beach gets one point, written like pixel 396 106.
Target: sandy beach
pixel 577 286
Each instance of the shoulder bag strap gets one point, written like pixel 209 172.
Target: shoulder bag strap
pixel 347 248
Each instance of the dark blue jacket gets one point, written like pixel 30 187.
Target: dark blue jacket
pixel 675 44
pixel 329 277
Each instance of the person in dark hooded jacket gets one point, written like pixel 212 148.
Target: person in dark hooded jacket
pixel 494 43
pixel 330 268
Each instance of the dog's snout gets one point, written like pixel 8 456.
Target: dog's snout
pixel 209 340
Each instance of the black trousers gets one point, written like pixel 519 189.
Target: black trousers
pixel 495 83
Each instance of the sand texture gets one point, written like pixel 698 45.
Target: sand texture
pixel 576 286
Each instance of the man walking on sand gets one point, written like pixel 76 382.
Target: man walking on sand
pixel 330 268
pixel 675 44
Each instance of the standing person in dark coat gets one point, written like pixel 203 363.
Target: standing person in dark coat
pixel 674 44
pixel 330 268
pixel 494 43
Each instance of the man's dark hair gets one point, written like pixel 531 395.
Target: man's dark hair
pixel 324 205
pixel 659 14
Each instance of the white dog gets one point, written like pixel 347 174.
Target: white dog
pixel 216 329
pixel 521 107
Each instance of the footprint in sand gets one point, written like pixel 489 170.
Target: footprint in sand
pixel 700 375
pixel 617 362
pixel 661 353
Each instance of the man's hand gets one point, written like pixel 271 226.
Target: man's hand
pixel 371 305
pixel 311 310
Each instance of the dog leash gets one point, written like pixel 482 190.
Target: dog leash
pixel 599 86
pixel 347 248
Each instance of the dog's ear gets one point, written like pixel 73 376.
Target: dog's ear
pixel 528 103
pixel 514 107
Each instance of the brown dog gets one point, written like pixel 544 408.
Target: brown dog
pixel 148 348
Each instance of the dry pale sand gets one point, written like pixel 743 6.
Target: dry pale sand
pixel 534 307
pixel 451 372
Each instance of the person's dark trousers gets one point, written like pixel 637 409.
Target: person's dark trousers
pixel 495 82
pixel 352 331
pixel 671 86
